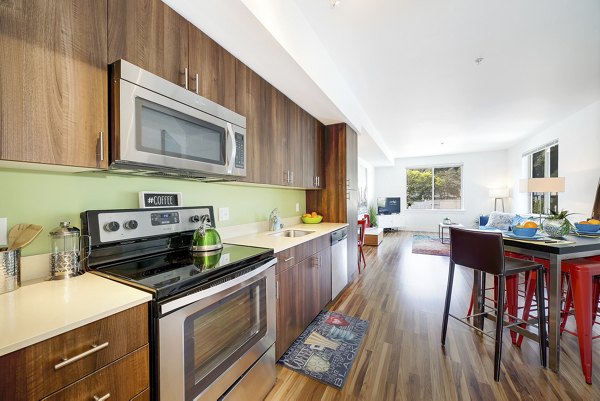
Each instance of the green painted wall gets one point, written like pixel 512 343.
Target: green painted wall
pixel 47 198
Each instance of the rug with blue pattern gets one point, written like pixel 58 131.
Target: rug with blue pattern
pixel 326 350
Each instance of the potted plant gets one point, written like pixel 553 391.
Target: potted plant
pixel 556 223
pixel 373 215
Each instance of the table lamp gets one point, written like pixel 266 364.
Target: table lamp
pixel 550 184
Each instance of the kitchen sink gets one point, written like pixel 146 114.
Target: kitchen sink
pixel 291 233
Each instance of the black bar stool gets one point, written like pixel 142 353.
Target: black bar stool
pixel 484 253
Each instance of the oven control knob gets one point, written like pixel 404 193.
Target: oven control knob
pixel 130 225
pixel 111 226
pixel 194 219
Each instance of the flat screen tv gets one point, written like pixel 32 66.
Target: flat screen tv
pixel 388 205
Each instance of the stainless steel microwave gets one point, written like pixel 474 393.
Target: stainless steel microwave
pixel 160 128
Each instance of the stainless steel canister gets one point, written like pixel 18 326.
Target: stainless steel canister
pixel 10 270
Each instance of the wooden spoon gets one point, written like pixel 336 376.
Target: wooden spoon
pixel 21 235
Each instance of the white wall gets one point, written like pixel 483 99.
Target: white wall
pixel 366 177
pixel 578 161
pixel 481 171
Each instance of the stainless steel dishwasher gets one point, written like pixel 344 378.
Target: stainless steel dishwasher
pixel 339 261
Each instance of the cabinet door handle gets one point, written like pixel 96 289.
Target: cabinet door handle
pixel 288 259
pixel 197 79
pixel 103 398
pixel 292 177
pixel 277 290
pixel 101 146
pixel 95 348
pixel 186 78
pixel 318 181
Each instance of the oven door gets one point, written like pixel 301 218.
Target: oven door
pixel 206 346
pixel 156 131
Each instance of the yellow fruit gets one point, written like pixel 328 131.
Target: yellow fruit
pixel 306 215
pixel 593 221
pixel 530 224
pixel 313 214
pixel 584 222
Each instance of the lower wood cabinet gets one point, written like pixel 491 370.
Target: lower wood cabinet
pixel 109 355
pixel 121 380
pixel 303 288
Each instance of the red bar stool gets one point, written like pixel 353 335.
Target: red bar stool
pixel 582 279
pixel 530 283
pixel 362 225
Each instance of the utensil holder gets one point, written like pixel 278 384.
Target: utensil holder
pixel 10 270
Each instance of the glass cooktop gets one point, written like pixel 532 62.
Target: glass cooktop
pixel 173 273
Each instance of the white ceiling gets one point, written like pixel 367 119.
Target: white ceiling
pixel 403 72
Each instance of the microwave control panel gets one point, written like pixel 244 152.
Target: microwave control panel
pixel 239 150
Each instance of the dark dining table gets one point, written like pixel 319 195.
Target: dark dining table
pixel 555 252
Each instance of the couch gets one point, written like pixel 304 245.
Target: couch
pixel 504 221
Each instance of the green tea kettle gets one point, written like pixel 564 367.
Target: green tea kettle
pixel 206 238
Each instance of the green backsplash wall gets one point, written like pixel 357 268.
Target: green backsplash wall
pixel 47 198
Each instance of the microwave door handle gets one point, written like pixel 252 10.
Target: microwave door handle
pixel 230 149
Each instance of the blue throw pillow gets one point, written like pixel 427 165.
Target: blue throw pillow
pixel 518 220
pixel 501 221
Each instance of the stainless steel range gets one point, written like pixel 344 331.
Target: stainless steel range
pixel 213 313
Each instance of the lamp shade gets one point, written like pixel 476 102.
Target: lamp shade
pixel 552 184
pixel 498 192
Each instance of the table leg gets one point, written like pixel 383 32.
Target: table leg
pixel 554 302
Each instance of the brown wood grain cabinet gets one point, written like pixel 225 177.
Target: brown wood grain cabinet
pixel 53 84
pixel 150 35
pixel 212 69
pixel 303 288
pixel 52 367
pixel 338 200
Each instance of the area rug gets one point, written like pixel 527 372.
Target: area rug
pixel 429 244
pixel 326 350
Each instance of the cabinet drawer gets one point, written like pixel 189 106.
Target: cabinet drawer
pixel 285 260
pixel 86 349
pixel 121 380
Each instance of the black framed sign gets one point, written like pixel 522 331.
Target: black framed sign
pixel 151 199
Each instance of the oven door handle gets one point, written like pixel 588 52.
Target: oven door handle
pixel 196 296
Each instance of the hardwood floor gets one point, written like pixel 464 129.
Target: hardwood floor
pixel 402 296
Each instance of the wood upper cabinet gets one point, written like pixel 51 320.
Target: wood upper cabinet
pixel 294 148
pixel 150 35
pixel 212 69
pixel 253 100
pixel 312 141
pixel 53 84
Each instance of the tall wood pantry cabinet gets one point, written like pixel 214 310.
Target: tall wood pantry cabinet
pixel 338 200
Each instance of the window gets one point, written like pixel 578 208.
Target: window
pixel 543 163
pixel 434 188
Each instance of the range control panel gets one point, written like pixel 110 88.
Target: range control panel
pixel 123 225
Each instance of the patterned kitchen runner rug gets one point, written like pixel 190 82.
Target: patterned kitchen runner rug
pixel 429 244
pixel 326 350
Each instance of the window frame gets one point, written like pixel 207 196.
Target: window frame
pixel 547 196
pixel 433 167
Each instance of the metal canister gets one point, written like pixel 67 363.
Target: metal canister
pixel 10 270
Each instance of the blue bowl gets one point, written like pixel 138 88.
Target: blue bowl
pixel 524 232
pixel 587 228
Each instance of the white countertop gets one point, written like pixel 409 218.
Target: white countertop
pixel 266 240
pixel 36 312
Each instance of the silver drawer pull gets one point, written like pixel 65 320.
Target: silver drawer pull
pixel 95 348
pixel 105 397
pixel 288 259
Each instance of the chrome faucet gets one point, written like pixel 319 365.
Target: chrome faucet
pixel 274 220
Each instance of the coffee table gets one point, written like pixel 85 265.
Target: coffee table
pixel 447 227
